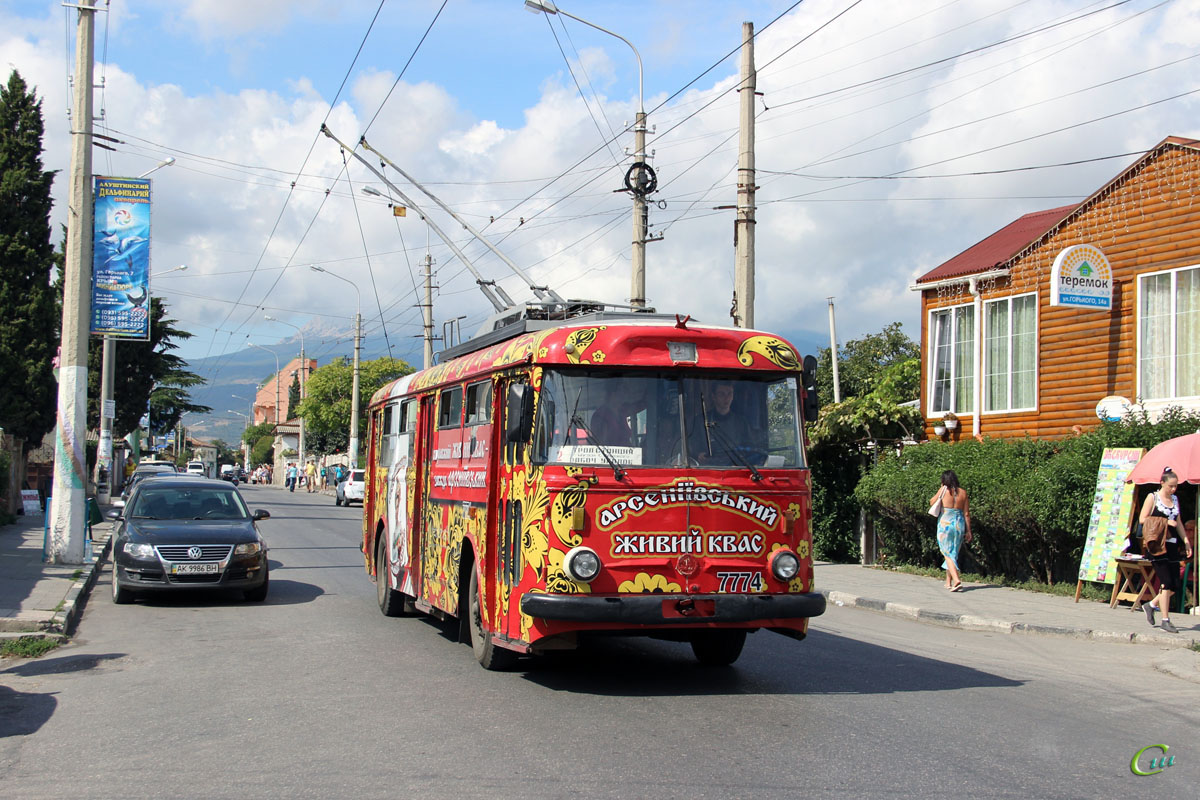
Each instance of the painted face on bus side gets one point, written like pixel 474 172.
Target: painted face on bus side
pixel 722 398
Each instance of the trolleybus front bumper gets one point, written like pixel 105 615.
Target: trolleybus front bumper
pixel 657 609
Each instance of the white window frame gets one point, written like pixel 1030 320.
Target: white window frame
pixel 984 356
pixel 1159 403
pixel 931 363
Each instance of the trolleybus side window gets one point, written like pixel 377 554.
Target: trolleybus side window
pixel 450 408
pixel 479 403
pixel 387 443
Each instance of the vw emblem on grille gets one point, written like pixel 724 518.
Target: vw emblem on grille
pixel 194 553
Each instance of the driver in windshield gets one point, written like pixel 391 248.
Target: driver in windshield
pixel 610 422
pixel 720 427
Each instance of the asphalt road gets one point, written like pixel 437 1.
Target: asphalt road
pixel 315 694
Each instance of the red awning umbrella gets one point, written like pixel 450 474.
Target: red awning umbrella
pixel 1182 455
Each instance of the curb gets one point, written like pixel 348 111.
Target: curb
pixel 65 620
pixel 1182 664
pixel 968 622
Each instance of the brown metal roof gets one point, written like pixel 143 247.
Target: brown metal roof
pixel 1000 246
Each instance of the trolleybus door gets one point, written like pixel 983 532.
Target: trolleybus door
pixel 514 407
pixel 426 424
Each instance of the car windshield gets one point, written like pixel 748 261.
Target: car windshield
pixel 656 419
pixel 193 502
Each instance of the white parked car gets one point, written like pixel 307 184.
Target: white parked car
pixel 196 468
pixel 351 490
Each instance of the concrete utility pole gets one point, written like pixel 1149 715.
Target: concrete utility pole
pixel 69 505
pixel 837 388
pixel 427 311
pixel 743 282
pixel 640 180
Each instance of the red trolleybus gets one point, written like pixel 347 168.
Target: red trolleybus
pixel 600 475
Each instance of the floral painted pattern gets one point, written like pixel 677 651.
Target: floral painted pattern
pixel 645 583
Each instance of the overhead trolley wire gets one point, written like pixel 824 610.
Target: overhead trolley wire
pixel 291 191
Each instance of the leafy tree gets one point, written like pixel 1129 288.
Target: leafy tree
pixel 326 408
pixel 29 335
pixel 146 374
pixel 260 451
pixel 256 432
pixel 878 414
pixel 294 396
pixel 862 361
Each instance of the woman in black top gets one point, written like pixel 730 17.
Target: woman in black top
pixel 1164 503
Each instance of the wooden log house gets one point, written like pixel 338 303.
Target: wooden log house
pixel 1003 355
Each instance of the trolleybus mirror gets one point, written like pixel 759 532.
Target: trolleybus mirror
pixel 518 417
pixel 809 378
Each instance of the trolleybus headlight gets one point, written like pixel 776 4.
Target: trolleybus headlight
pixel 582 564
pixel 784 564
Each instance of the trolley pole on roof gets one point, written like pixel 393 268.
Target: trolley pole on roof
pixel 743 282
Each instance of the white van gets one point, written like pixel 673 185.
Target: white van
pixel 196 468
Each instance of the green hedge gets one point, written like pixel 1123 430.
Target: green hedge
pixel 1030 498
pixel 836 470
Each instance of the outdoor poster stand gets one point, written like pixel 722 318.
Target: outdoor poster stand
pixel 1112 516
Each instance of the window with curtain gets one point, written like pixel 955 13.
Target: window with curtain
pixel 1169 334
pixel 952 360
pixel 1009 352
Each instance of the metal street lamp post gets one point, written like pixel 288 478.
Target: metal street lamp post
pixel 245 444
pixel 303 371
pixel 640 179
pixel 357 349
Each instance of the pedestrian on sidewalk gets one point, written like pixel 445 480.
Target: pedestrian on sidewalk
pixel 310 477
pixel 953 522
pixel 290 476
pixel 1162 532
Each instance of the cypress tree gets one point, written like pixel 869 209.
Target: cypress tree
pixel 28 324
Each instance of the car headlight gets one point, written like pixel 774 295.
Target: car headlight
pixel 247 549
pixel 582 564
pixel 784 564
pixel 139 550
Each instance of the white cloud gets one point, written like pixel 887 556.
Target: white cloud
pixel 861 241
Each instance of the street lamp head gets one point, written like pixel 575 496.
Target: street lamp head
pixel 316 268
pixel 538 6
pixel 371 190
pixel 269 317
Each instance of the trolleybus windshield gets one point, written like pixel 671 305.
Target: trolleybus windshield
pixel 660 419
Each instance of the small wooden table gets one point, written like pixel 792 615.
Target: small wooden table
pixel 1135 577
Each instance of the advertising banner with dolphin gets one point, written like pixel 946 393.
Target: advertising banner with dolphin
pixel 121 258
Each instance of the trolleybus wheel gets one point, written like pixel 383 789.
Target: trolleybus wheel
pixel 391 602
pixel 488 655
pixel 718 648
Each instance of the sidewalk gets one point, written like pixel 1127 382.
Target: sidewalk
pixel 36 597
pixel 986 607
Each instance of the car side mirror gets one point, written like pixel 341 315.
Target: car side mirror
pixel 809 379
pixel 260 513
pixel 518 416
pixel 113 513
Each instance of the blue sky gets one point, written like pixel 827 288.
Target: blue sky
pixel 236 89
